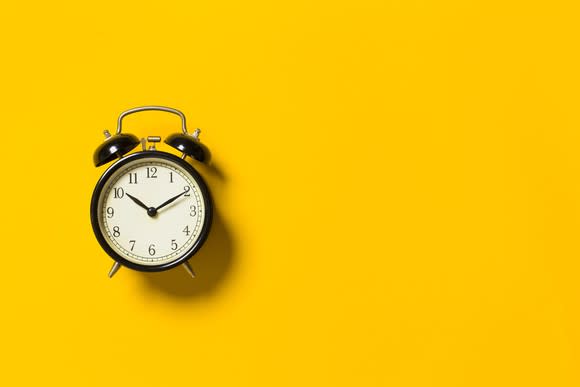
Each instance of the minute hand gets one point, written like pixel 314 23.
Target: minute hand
pixel 170 201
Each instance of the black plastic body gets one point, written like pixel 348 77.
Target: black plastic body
pixel 152 155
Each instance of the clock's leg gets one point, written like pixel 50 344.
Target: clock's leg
pixel 114 269
pixel 188 268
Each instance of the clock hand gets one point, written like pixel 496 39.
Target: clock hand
pixel 170 200
pixel 139 202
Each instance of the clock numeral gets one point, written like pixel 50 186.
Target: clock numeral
pixel 173 245
pixel 133 178
pixel 193 211
pixel 186 189
pixel 110 212
pixel 118 193
pixel 171 176
pixel 116 232
pixel 132 241
pixel 186 230
pixel 152 249
pixel 151 171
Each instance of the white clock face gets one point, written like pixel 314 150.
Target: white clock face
pixel 151 211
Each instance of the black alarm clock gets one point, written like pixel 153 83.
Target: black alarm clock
pixel 151 210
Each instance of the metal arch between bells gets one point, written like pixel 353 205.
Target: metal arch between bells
pixel 148 108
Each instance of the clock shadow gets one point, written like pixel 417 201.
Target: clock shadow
pixel 211 265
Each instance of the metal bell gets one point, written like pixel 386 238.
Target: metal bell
pixel 114 147
pixel 189 145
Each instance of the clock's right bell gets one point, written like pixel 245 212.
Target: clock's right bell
pixel 189 145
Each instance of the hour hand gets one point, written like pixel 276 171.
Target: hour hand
pixel 138 202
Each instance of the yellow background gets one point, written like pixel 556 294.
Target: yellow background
pixel 396 185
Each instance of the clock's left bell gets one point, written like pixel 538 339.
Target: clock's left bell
pixel 114 147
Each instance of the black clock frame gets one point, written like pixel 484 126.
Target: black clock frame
pixel 204 193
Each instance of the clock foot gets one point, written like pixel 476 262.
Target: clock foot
pixel 188 268
pixel 114 269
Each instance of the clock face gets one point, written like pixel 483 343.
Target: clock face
pixel 152 209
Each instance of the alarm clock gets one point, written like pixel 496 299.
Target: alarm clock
pixel 151 210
